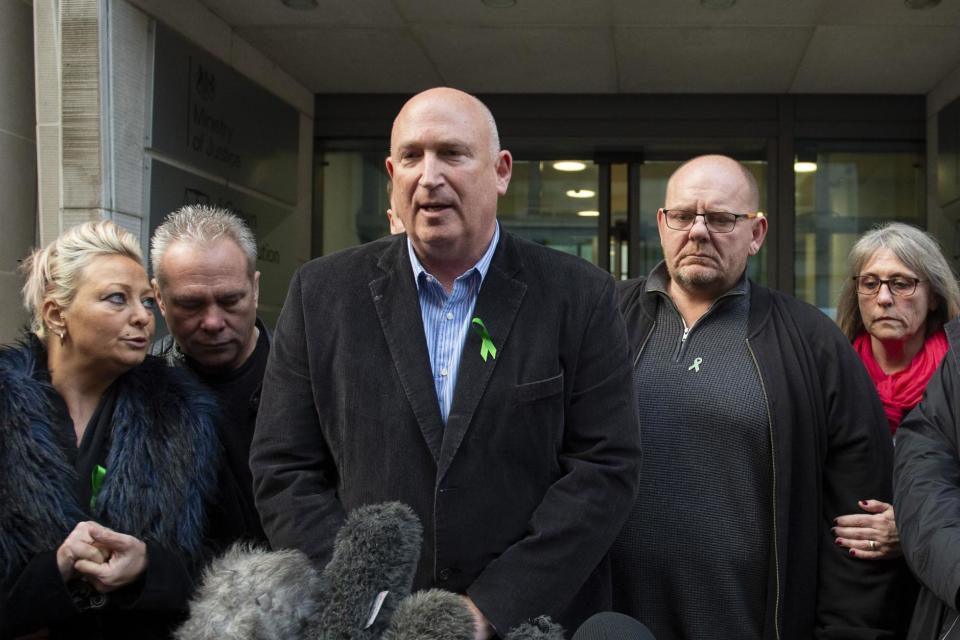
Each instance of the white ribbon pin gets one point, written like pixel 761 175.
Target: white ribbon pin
pixel 696 365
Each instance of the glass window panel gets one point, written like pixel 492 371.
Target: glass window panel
pixel 355 199
pixel 849 193
pixel 555 208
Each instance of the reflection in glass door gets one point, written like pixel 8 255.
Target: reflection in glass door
pixel 840 194
pixel 554 203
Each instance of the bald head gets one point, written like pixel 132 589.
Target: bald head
pixel 475 114
pixel 723 172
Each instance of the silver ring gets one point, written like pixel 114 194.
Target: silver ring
pixel 873 545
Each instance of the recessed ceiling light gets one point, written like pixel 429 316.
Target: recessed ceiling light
pixel 301 5
pixel 581 193
pixel 588 214
pixel 804 167
pixel 921 4
pixel 499 4
pixel 569 165
pixel 717 4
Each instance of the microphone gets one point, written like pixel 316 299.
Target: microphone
pixel 362 594
pixel 253 594
pixel 612 626
pixel 432 615
pixel 442 615
pixel 250 593
pixel 375 557
pixel 542 628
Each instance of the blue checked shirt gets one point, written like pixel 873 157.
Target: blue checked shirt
pixel 446 319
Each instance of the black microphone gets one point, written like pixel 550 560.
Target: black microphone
pixel 612 626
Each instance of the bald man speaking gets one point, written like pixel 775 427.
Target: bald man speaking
pixel 480 378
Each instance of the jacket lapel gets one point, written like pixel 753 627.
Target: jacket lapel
pixel 398 307
pixel 497 305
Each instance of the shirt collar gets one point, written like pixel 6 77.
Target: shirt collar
pixel 481 267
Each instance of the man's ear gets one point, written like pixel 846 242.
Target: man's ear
pixel 759 232
pixel 504 168
pixel 256 288
pixel 156 292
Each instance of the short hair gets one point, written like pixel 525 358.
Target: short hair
pixel 492 123
pixel 920 253
pixel 55 271
pixel 200 224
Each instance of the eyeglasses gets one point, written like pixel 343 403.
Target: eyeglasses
pixel 716 221
pixel 901 286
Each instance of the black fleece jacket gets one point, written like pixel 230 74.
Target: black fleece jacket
pixel 831 448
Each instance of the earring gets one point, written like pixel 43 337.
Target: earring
pixel 62 335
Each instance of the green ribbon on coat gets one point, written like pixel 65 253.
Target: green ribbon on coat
pixel 96 482
pixel 486 344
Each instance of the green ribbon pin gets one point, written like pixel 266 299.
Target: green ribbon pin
pixel 486 344
pixel 96 482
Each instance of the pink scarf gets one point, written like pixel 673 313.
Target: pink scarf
pixel 902 391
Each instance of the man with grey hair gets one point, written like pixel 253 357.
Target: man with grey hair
pixel 475 376
pixel 207 286
pixel 760 426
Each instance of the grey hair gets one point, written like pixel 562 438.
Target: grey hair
pixel 200 224
pixel 55 271
pixel 919 252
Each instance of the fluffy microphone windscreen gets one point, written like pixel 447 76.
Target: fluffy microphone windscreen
pixel 252 594
pixel 612 626
pixel 541 628
pixel 432 615
pixel 375 551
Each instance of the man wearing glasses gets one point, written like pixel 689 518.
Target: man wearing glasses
pixel 759 425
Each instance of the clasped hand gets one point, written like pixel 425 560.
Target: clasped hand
pixel 105 558
pixel 871 535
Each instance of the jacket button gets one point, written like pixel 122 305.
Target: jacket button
pixel 98 601
pixel 444 574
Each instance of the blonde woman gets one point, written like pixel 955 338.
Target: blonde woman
pixel 107 456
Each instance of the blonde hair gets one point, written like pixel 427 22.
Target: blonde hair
pixel 54 272
pixel 919 252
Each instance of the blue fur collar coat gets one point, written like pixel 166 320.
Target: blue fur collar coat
pixel 161 464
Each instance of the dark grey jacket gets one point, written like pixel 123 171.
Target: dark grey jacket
pixel 524 489
pixel 927 497
pixel 831 448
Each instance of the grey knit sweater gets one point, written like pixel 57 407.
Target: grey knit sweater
pixel 693 559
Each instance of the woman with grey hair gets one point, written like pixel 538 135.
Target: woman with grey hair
pixel 107 455
pixel 900 293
